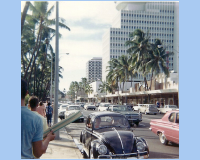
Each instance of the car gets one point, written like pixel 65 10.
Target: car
pixel 167 128
pixel 89 107
pixel 167 108
pixel 103 106
pixel 62 110
pixel 129 105
pixel 148 109
pixel 137 107
pixel 81 104
pixel 72 109
pixel 133 117
pixel 107 135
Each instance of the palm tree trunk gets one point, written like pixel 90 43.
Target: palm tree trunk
pixel 33 54
pixel 24 15
pixel 151 81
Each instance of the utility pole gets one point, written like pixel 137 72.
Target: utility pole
pixel 56 74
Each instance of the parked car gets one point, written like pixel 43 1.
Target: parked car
pixel 167 128
pixel 167 108
pixel 72 109
pixel 107 135
pixel 148 109
pixel 81 104
pixel 133 117
pixel 89 107
pixel 62 110
pixel 129 105
pixel 136 108
pixel 103 106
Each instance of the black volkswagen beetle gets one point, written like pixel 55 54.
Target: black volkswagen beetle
pixel 107 135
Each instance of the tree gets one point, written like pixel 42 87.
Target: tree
pixel 139 50
pixel 24 14
pixel 40 16
pixel 35 39
pixel 88 89
pixel 157 60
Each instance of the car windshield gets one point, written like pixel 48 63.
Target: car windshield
pixel 152 106
pixel 64 107
pixel 121 108
pixel 106 105
pixel 110 121
pixel 74 108
pixel 173 107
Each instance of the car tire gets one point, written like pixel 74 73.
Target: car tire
pixel 163 139
pixel 137 124
pixel 155 113
pixel 81 137
pixel 91 154
pixel 85 155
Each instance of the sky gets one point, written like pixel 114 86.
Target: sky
pixel 88 21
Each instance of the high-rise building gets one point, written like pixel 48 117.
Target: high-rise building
pixel 161 19
pixel 94 69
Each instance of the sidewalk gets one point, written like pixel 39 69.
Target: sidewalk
pixel 64 148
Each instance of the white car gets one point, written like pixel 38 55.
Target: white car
pixel 148 109
pixel 72 109
pixel 136 108
pixel 167 108
pixel 62 110
pixel 103 106
pixel 89 107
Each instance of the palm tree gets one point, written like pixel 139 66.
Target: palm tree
pixel 24 14
pixel 84 83
pixel 157 62
pixel 113 76
pixel 40 16
pixel 104 87
pixel 88 89
pixel 139 50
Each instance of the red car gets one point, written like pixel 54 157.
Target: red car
pixel 167 128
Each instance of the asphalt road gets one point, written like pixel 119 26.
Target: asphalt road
pixel 157 150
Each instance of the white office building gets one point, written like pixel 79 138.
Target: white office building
pixel 161 19
pixel 94 69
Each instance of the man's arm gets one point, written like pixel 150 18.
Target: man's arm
pixel 39 147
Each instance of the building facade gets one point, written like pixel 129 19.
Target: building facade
pixel 94 69
pixel 161 19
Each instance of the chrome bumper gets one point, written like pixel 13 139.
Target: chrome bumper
pixel 138 155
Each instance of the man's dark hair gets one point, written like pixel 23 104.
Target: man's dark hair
pixel 41 103
pixel 33 101
pixel 49 103
pixel 23 88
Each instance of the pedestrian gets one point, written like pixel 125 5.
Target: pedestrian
pixel 33 104
pixel 41 109
pixel 49 113
pixel 32 143
pixel 158 104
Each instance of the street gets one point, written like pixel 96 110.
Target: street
pixel 157 150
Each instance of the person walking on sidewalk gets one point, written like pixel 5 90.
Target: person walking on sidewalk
pixel 32 143
pixel 49 113
pixel 33 104
pixel 41 109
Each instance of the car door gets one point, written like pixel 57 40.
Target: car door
pixel 88 134
pixel 172 128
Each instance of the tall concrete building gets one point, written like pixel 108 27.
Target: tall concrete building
pixel 161 19
pixel 94 69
